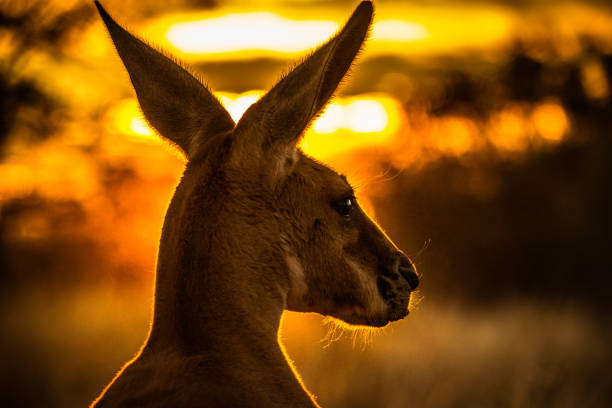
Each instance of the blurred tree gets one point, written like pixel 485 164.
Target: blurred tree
pixel 33 27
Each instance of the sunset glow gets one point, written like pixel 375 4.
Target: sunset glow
pixel 127 119
pixel 398 31
pixel 475 134
pixel 346 124
pixel 237 104
pixel 265 31
pixel 369 120
pixel 248 31
pixel 237 34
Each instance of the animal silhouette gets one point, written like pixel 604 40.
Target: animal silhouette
pixel 255 227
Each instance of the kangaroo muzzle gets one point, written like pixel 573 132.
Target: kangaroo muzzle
pixel 395 282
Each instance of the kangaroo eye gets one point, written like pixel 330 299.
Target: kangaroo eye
pixel 345 206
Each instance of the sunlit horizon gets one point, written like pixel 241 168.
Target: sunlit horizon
pixel 248 31
pixel 266 31
pixel 239 35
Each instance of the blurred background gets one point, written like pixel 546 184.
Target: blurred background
pixel 477 133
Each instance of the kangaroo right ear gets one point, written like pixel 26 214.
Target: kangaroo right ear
pixel 270 128
pixel 175 103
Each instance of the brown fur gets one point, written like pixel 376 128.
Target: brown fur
pixel 254 228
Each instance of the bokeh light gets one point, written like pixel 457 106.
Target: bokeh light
pixel 550 121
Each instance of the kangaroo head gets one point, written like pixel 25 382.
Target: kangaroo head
pixel 255 209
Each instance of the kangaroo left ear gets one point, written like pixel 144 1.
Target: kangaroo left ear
pixel 274 124
pixel 175 103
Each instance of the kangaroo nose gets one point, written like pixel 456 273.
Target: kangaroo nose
pixel 408 271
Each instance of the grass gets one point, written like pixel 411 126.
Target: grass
pixel 60 349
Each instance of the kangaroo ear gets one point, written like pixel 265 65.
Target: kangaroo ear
pixel 279 118
pixel 175 103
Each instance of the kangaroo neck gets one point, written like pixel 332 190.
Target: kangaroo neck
pixel 209 309
pixel 234 332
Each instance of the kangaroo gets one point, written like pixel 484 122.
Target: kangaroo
pixel 255 227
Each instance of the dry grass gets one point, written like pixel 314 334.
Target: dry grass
pixel 517 355
pixel 60 349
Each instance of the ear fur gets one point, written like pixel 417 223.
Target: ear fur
pixel 174 102
pixel 276 122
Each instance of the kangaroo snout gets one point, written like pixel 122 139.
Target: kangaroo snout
pixel 395 282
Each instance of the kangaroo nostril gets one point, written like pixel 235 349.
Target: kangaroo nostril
pixel 411 277
pixel 406 268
